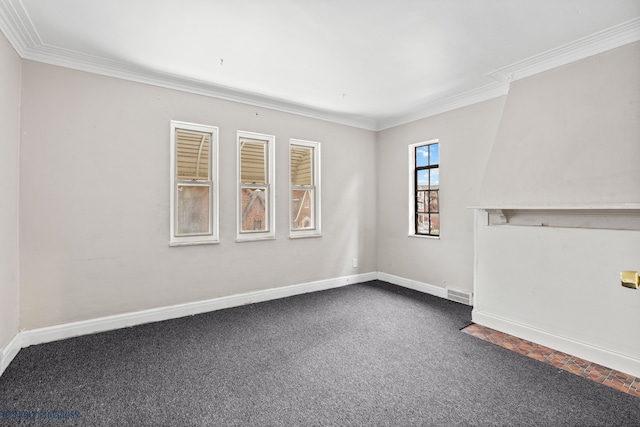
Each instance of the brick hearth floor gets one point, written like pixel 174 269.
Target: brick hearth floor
pixel 609 377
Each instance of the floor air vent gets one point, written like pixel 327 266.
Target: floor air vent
pixel 459 296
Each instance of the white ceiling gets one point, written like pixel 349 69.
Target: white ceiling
pixel 368 63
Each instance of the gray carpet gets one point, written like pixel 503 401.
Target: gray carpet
pixel 364 355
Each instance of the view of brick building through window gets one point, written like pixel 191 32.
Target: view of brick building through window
pixel 428 223
pixel 301 209
pixel 254 210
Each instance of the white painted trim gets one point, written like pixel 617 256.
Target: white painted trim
pixel 16 24
pixel 419 236
pixel 413 284
pixel 24 339
pixel 610 38
pixel 9 352
pixel 464 99
pixel 21 35
pixel 603 207
pixel 19 30
pixel 479 217
pixel 601 356
pixel 85 327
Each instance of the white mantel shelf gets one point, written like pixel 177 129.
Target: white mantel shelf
pixel 609 207
pixel 604 217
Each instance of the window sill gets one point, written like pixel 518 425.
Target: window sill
pixel 254 239
pixel 304 236
pixel 195 243
pixel 418 236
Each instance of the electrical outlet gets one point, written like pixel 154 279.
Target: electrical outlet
pixel 354 263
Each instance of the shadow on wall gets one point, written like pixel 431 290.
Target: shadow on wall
pixel 346 227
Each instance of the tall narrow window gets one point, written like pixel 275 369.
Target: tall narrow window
pixel 194 184
pixel 304 175
pixel 256 207
pixel 424 159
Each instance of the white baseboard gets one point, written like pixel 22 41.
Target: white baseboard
pixel 601 356
pixel 107 323
pixel 102 324
pixel 413 284
pixel 9 352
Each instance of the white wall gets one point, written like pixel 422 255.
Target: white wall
pixel 570 135
pixel 561 288
pixel 95 200
pixel 10 66
pixel 466 136
pixel 555 286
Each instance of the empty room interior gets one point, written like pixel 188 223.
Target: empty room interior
pixel 266 161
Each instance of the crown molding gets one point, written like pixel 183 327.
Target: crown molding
pixel 490 91
pixel 17 27
pixel 101 66
pixel 611 38
pixel 12 25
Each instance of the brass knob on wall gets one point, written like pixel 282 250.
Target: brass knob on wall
pixel 630 279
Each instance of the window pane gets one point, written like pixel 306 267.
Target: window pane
pixel 192 155
pixel 301 165
pixel 433 202
pixel 252 161
pixel 423 224
pixel 434 154
pixel 434 226
pixel 193 210
pixel 302 209
pixel 254 210
pixel 434 178
pixel 423 179
pixel 422 155
pixel 422 206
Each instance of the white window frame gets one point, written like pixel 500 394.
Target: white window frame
pixel 412 187
pixel 213 236
pixel 269 187
pixel 316 230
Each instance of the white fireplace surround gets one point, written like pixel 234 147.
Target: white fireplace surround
pixel 550 275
